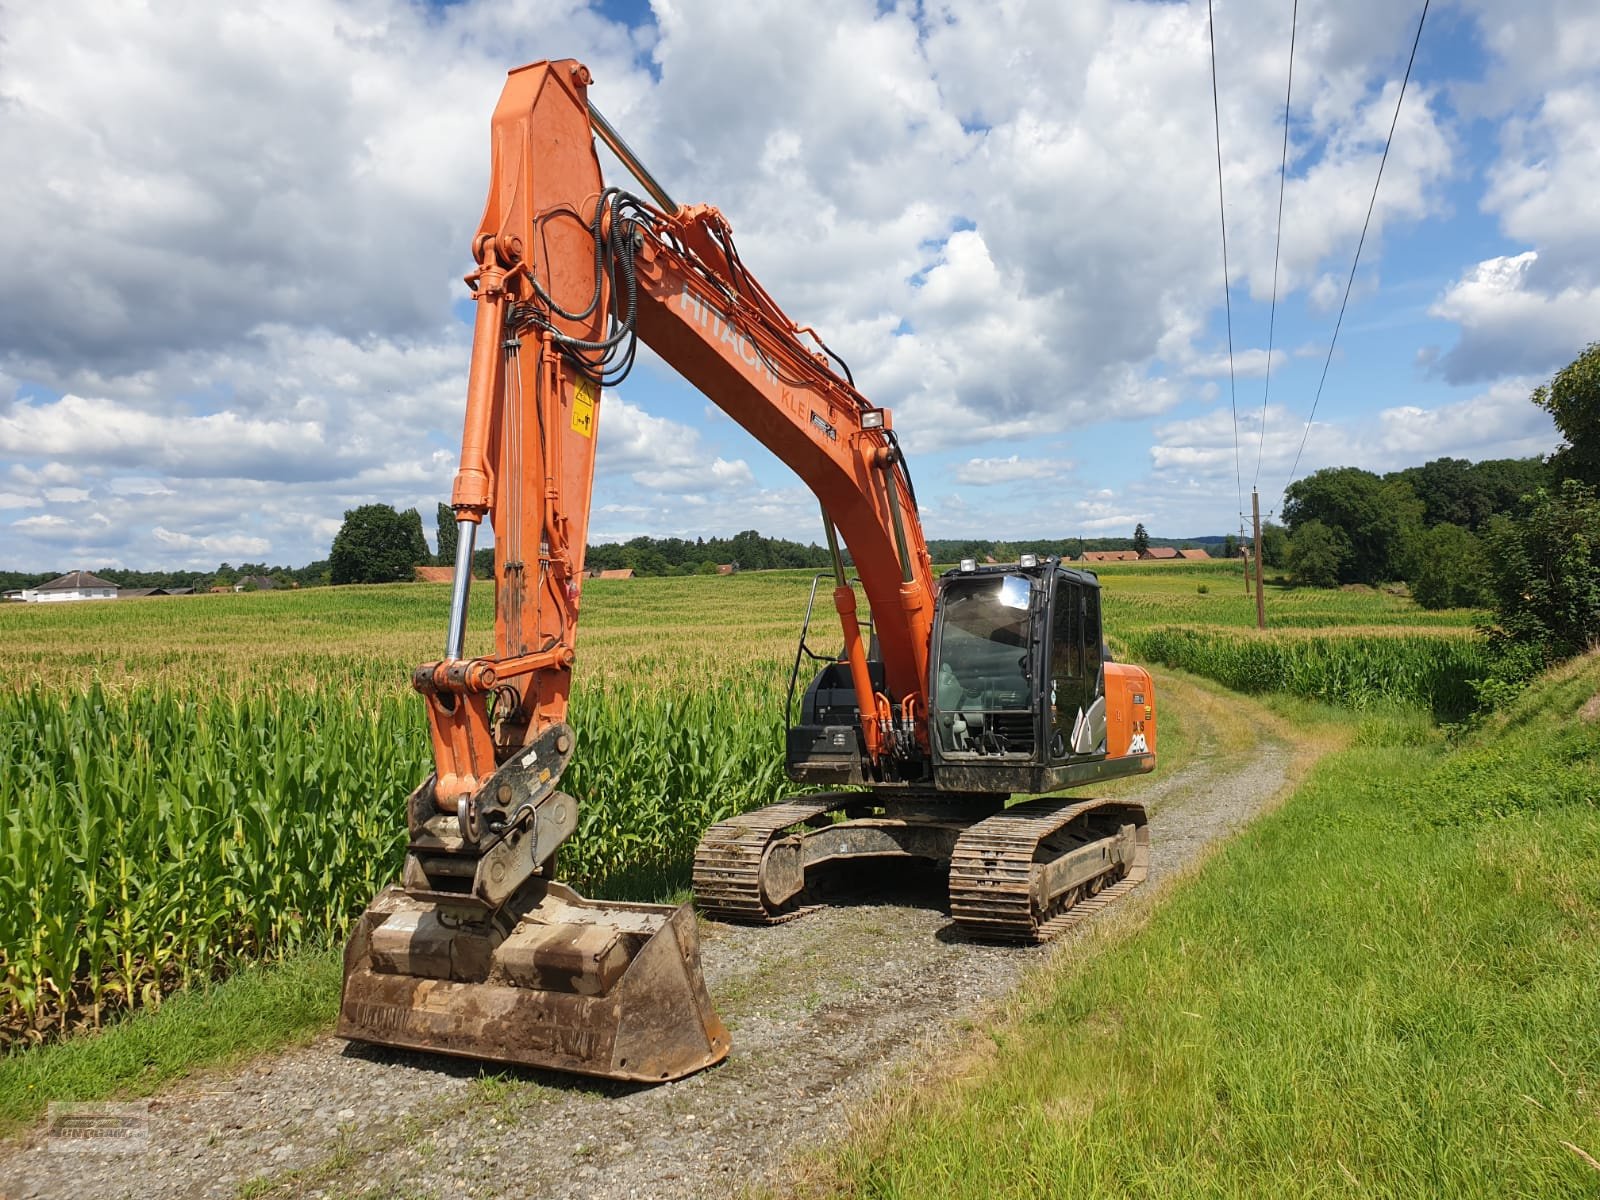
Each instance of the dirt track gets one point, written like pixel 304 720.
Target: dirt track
pixel 819 1009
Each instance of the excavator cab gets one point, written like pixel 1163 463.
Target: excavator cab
pixel 1019 698
pixel 1022 697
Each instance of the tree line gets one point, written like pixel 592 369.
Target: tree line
pixel 1519 535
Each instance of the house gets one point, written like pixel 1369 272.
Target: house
pixel 624 573
pixel 1102 556
pixel 256 583
pixel 1193 553
pixel 221 589
pixel 140 593
pixel 179 591
pixel 74 585
pixel 436 574
pixel 1160 553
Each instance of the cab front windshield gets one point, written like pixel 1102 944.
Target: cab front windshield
pixel 983 649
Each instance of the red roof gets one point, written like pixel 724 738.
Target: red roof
pixel 1160 552
pixel 624 573
pixel 436 574
pixel 1193 552
pixel 1110 556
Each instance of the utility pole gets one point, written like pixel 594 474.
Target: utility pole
pixel 1261 603
pixel 1245 553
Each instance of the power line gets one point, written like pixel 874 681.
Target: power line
pixel 1227 298
pixel 1272 318
pixel 1293 471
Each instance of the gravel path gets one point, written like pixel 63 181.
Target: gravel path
pixel 819 1010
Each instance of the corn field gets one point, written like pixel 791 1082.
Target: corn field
pixel 1350 670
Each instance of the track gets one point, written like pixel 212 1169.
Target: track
pixel 819 1010
pixel 993 877
pixel 727 863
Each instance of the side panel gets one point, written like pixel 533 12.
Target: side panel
pixel 1130 713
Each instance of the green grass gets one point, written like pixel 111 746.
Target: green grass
pixel 258 1008
pixel 1385 988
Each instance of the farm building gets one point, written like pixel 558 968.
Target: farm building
pixel 74 585
pixel 1195 553
pixel 1160 553
pixel 624 573
pixel 436 574
pixel 256 583
pixel 1096 556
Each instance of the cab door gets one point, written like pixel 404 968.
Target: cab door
pixel 1076 707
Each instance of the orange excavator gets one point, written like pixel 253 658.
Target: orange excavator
pixel 959 690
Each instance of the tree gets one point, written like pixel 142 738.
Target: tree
pixel 1141 539
pixel 1373 517
pixel 1449 569
pixel 1230 546
pixel 1545 572
pixel 447 535
pixel 1573 399
pixel 419 540
pixel 1319 554
pixel 376 545
pixel 1274 545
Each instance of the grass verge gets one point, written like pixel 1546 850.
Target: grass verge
pixel 1385 988
pixel 257 1008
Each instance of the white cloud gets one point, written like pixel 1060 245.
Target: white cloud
pixel 17 500
pixel 213 546
pixel 1251 363
pixel 1511 321
pixel 1499 422
pixel 989 472
pixel 718 473
pixel 44 523
pixel 213 445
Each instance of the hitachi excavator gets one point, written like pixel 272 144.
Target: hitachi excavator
pixel 962 688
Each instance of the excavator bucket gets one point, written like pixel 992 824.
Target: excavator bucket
pixel 550 980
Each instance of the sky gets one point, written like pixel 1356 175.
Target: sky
pixel 232 240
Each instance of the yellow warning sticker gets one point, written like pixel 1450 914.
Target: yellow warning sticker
pixel 583 398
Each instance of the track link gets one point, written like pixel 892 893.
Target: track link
pixel 728 860
pixel 996 869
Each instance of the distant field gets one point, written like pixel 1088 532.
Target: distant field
pixel 192 782
pixel 641 630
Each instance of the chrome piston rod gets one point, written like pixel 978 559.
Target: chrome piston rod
pixel 456 639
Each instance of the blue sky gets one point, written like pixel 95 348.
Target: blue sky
pixel 1004 217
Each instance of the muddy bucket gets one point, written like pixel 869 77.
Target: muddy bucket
pixel 551 980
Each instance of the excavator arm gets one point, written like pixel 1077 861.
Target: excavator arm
pixel 569 274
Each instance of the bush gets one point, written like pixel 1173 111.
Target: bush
pixel 1449 569
pixel 1544 571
